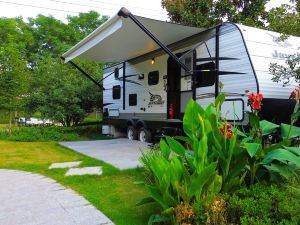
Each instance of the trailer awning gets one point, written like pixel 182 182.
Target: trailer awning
pixel 120 39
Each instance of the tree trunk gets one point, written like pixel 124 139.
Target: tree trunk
pixel 68 120
pixel 10 122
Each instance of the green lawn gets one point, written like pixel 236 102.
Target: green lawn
pixel 114 193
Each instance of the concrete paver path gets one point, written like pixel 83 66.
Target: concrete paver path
pixel 32 199
pixel 121 153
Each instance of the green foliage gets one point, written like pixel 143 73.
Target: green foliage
pixel 263 204
pixel 61 93
pixel 33 134
pixel 180 175
pixel 32 77
pixel 270 161
pixel 284 19
pixel 207 13
pixel 215 158
pixel 284 73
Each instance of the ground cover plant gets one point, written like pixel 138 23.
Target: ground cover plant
pixel 114 193
pixel 189 175
pixel 29 134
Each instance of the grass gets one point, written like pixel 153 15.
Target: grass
pixel 114 193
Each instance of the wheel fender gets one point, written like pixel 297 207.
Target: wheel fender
pixel 140 123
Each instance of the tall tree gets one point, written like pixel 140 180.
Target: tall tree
pixel 14 73
pixel 13 79
pixel 59 91
pixel 206 13
pixel 285 19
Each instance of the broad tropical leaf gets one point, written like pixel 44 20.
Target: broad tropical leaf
pixel 282 155
pixel 288 131
pixel 176 146
pixel 219 100
pixel 165 149
pixel 295 150
pixel 267 127
pixel 252 148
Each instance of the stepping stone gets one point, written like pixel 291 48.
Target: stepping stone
pixel 65 165
pixel 95 170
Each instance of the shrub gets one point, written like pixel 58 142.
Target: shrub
pixel 263 204
pixel 30 134
pixel 53 133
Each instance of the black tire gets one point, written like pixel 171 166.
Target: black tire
pixel 131 133
pixel 144 135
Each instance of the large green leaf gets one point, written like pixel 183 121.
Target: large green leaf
pixel 288 131
pixel 165 149
pixel 201 153
pixel 185 139
pixel 252 148
pixel 176 169
pixel 281 155
pixel 199 180
pixel 219 100
pixel 240 133
pixel 295 150
pixel 190 119
pixel 267 127
pixel 283 170
pixel 154 192
pixel 176 146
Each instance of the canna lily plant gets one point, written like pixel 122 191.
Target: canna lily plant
pixel 195 167
pixel 269 160
pixel 214 157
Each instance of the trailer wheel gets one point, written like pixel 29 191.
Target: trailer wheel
pixel 144 135
pixel 131 133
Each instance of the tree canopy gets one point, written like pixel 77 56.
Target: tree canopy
pixel 207 13
pixel 32 76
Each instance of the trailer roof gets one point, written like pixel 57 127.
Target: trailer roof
pixel 120 39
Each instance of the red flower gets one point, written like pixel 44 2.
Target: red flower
pixel 295 94
pixel 259 97
pixel 256 105
pixel 246 90
pixel 227 133
pixel 254 101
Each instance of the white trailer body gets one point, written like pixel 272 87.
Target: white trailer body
pixel 149 90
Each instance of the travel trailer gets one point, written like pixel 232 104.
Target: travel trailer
pixel 159 66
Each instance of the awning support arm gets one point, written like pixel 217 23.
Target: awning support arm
pixel 126 13
pixel 84 73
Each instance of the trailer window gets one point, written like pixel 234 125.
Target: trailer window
pixel 153 77
pixel 205 75
pixel 132 99
pixel 116 92
pixel 116 73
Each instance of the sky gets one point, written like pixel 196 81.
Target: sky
pixel 61 8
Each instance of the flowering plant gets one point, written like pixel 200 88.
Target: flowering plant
pixel 255 101
pixel 225 130
pixel 295 94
